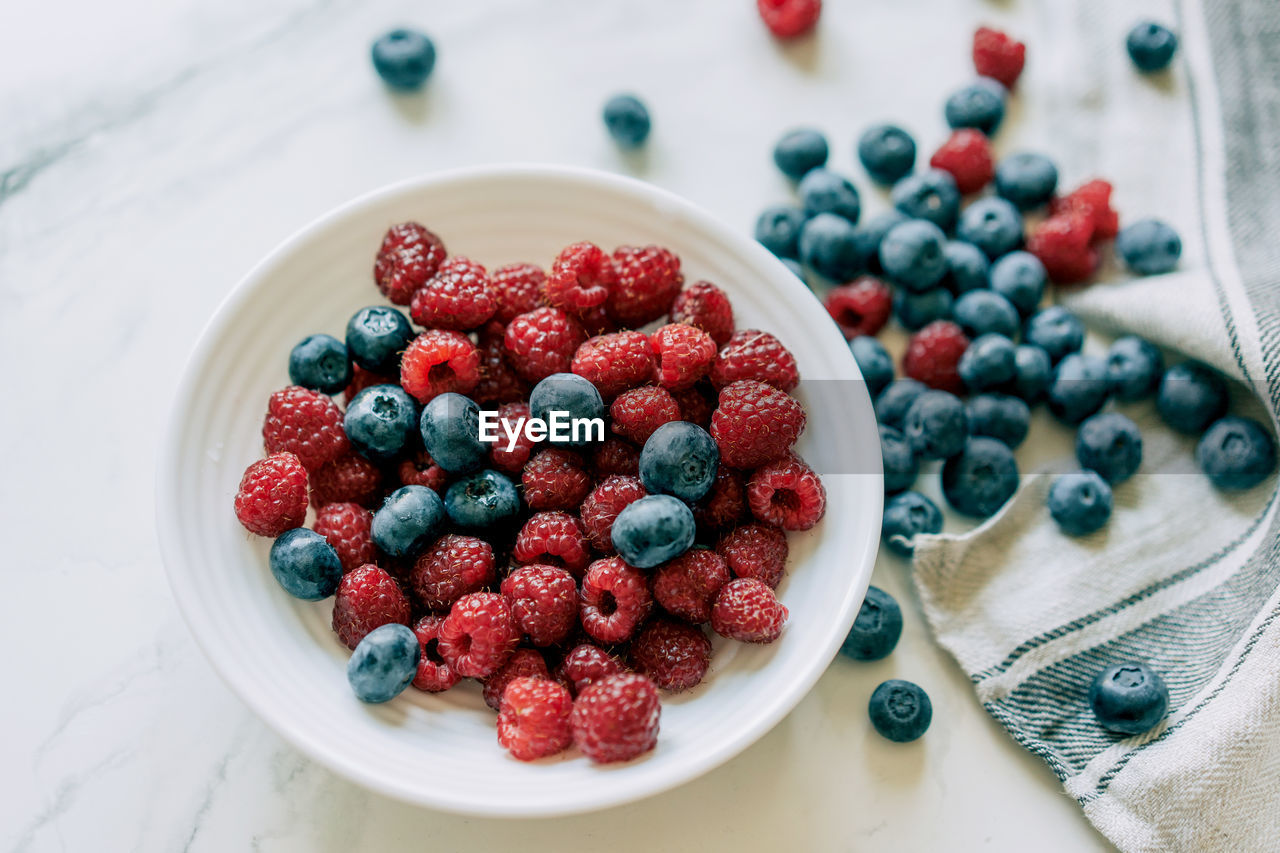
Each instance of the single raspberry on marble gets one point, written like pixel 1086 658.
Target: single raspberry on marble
pixel 933 356
pixel 434 674
pixel 967 157
pixel 534 720
pixel 635 414
pixel 748 610
pixel 601 507
pixel 499 382
pixel 348 479
pixel 542 342
pixel 584 665
pixel 409 255
pixel 1062 245
pixel 419 469
pixel 707 307
pixel 507 457
pixel 725 505
pixel 687 586
pixel 544 602
pixel 555 479
pixel 362 379
pixel 753 354
pixel 615 456
pixel 755 423
pixel 553 538
pixel 456 297
pixel 685 355
pixel 348 528
pixel 307 424
pixel 580 278
pixel 756 551
pixel 861 307
pixel 787 493
pixel 516 288
pixel 615 599
pixel 437 361
pixel 697 404
pixel 367 598
pixel 452 567
pixel 615 362
pixel 616 719
pixel 524 663
pixel 997 56
pixel 789 18
pixel 272 497
pixel 648 279
pixel 675 655
pixel 1093 200
pixel 478 635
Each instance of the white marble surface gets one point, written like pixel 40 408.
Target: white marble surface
pixel 153 151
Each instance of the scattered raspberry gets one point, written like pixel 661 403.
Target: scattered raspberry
pixel 686 587
pixel 366 599
pixel 511 461
pixel 516 288
pixel 616 719
pixel 272 497
pixel 696 404
pixel 542 342
pixel 933 354
pixel 584 665
pixel 787 493
pixel 580 279
pixel 725 505
pixel 499 383
pixel 555 539
pixel 615 362
pixel 707 307
pixel 789 18
pixel 673 654
pixel 747 610
pixel 555 479
pixel 434 675
pixel 600 508
pixel 307 424
pixel 348 479
pixel 753 354
pixel 454 298
pixel 615 600
pixel 755 423
pixel 615 456
pixel 648 280
pixel 1093 199
pixel 685 354
pixel 997 56
pixel 362 379
pixel 437 361
pixel 1061 242
pixel 544 602
pixel 755 551
pixel 421 470
pixel 347 527
pixel 534 720
pixel 861 307
pixel 451 568
pixel 410 254
pixel 524 663
pixel 635 414
pixel 966 155
pixel 478 635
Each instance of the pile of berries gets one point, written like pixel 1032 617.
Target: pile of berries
pixel 570 571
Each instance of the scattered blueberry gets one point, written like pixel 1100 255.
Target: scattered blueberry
pixel 652 530
pixel 876 630
pixel 979 479
pixel 901 465
pixel 979 105
pixel 900 710
pixel 982 312
pixel 967 267
pixel 377 336
pixel 1151 46
pixel 567 397
pixel 1020 278
pixel 799 152
pixel 679 459
pixel 823 191
pixel 1080 502
pixel 320 362
pixel 888 153
pixel 305 564
pixel 896 398
pixel 407 521
pixel 868 236
pixel 1110 444
pixel 905 515
pixel 1134 367
pixel 1149 247
pixel 1079 387
pixel 931 195
pixel 917 310
pixel 384 663
pixel 993 225
pixel 1191 396
pixel 778 229
pixel 829 248
pixel 1005 418
pixel 1056 331
pixel 1026 179
pixel 485 499
pixel 936 425
pixel 627 120
pixel 404 58
pixel 379 422
pixel 874 363
pixel 1236 453
pixel 1129 698
pixel 450 426
pixel 1033 373
pixel 988 362
pixel 911 254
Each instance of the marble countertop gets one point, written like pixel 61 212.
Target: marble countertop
pixel 154 151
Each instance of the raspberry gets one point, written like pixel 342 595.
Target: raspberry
pixel 725 505
pixel 461 264
pixel 305 423
pixel 753 354
pixel 615 600
pixel 933 355
pixel 787 493
pixel 451 568
pixel 421 470
pixel 555 479
pixel 997 56
pixel 648 280
pixel 755 551
pixel 347 527
pixel 1061 243
pixel 580 279
pixel 596 322
pixel 348 479
pixel 1093 199
pixel 966 155
pixel 748 610
pixel 544 601
pixel 434 675
pixel 601 508
pixel 707 307
pixel 409 255
pixel 685 354
pixel 696 404
pixel 478 635
pixel 499 383
pixel 789 18
pixel 542 342
pixel 272 497
pixel 686 587
pixel 584 665
pixel 454 298
pixel 635 414
pixel 367 598
pixel 673 654
pixel 511 461
pixel 615 456
pixel 554 539
pixel 516 288
pixel 524 663
pixel 437 361
pixel 534 720
pixel 616 719
pixel 861 307
pixel 615 362
pixel 755 423
pixel 362 379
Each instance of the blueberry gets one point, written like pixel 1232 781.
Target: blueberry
pixel 911 254
pixel 1236 453
pixel 799 152
pixel 874 363
pixel 627 120
pixel 305 564
pixel 377 336
pixel 900 710
pixel 1128 698
pixel 652 530
pixel 917 310
pixel 320 362
pixel 828 247
pixel 1000 416
pixel 1033 372
pixel 1134 367
pixel 796 270
pixel 887 152
pixel 901 465
pixel 1151 46
pixel 679 459
pixel 485 499
pixel 384 663
pixel 868 236
pixel 1191 396
pixel 979 479
pixel 823 191
pixel 1020 278
pixel 967 267
pixel 1080 502
pixel 379 422
pixel 1026 179
pixel 931 195
pixel 407 521
pixel 1056 331
pixel 778 229
pixel 979 105
pixel 1111 445
pixel 984 312
pixel 1079 387
pixel 1149 247
pixel 896 398
pixel 569 404
pixel 404 58
pixel 450 427
pixel 876 630
pixel 936 425
pixel 988 362
pixel 993 225
pixel 905 515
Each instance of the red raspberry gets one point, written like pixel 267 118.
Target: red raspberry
pixel 787 493
pixel 615 362
pixel 461 264
pixel 685 354
pixel 347 527
pixel 584 665
pixel 555 539
pixel 437 361
pixel 348 479
pixel 544 601
pixel 615 600
pixel 997 56
pixel 509 418
pixel 755 423
pixel 307 424
pixel 725 505
pixel 1093 200
pixel 524 663
pixel 434 675
pixel 615 456
pixel 410 254
pixel 580 279
pixel 966 155
pixel 362 379
pixel 686 587
pixel 1061 242
pixel 696 404
pixel 421 470
pixel 596 322
pixel 478 635
pixel 600 508
pixel 748 610
pixel 534 720
pixel 706 307
pixel 616 719
pixel 454 298
pixel 367 598
pixel 755 551
pixel 933 353
pixel 861 307
pixel 648 279
pixel 499 383
pixel 542 342
pixel 555 479
pixel 272 497
pixel 451 568
pixel 753 354
pixel 516 288
pixel 674 654
pixel 789 18
pixel 635 414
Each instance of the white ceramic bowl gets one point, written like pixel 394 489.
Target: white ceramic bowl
pixel 280 655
